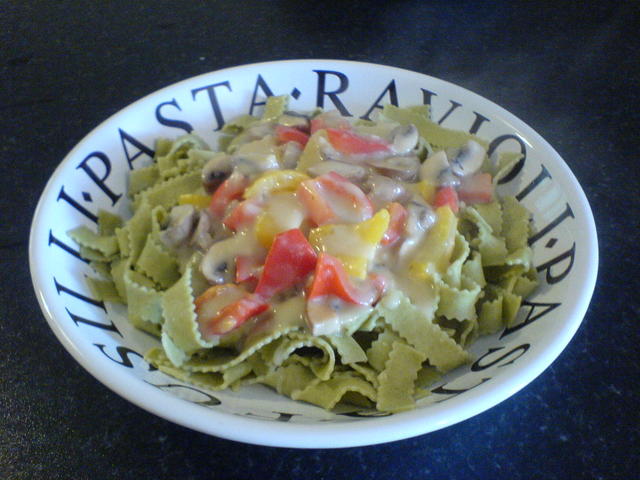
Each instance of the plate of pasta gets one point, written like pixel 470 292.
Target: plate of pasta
pixel 314 253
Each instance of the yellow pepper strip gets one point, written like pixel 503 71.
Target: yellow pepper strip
pixel 372 230
pixel 342 241
pixel 319 237
pixel 426 190
pixel 434 253
pixel 274 181
pixel 266 229
pixel 337 240
pixel 355 266
pixel 200 201
pixel 312 153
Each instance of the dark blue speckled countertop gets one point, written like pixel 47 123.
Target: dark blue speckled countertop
pixel 571 70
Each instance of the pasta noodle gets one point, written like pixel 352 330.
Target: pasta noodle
pixel 397 380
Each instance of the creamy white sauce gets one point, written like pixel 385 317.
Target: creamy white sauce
pixel 330 315
pixel 392 262
pixel 212 306
pixel 326 315
pixel 218 265
pixel 286 210
pixel 346 209
pixel 344 241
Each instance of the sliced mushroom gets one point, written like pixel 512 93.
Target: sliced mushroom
pixel 256 157
pixel 446 178
pixel 217 264
pixel 215 171
pixel 433 166
pixel 290 155
pixel 400 168
pixel 352 172
pixel 437 171
pixel 384 190
pixel 404 138
pixel 201 237
pixel 468 159
pixel 182 220
pixel 421 218
pixel 257 163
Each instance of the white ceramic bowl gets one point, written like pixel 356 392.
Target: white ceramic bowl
pixel 100 338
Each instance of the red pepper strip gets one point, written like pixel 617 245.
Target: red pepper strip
pixel 235 314
pixel 231 189
pixel 243 214
pixel 331 198
pixel 331 278
pixel 349 142
pixel 397 221
pixel 291 134
pixel 247 268
pixel 476 189
pixel 446 196
pixel 290 259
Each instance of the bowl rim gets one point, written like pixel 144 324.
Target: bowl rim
pixel 346 434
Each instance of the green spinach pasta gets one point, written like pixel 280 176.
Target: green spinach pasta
pixel 336 262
